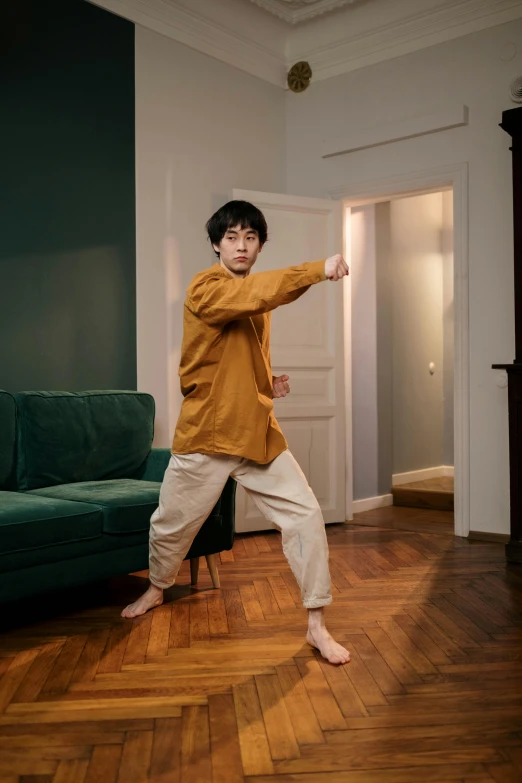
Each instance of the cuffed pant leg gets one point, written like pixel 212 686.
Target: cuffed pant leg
pixel 282 494
pixel 190 490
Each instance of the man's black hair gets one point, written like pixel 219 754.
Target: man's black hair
pixel 235 213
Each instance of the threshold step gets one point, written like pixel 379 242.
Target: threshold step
pixel 430 494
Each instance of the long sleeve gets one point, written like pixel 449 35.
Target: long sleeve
pixel 219 298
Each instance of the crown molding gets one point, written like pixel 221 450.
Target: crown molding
pixel 194 30
pixel 258 53
pixel 301 10
pixel 413 33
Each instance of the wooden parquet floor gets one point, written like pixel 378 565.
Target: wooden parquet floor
pixel 219 686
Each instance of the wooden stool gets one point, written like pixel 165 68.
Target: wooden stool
pixel 212 567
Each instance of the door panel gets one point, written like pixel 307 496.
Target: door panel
pixel 308 343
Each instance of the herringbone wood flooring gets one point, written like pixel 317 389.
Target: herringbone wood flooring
pixel 219 685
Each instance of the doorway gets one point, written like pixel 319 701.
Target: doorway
pixel 402 351
pixel 414 417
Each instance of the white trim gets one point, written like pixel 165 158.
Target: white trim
pixel 270 59
pixel 315 206
pixel 408 128
pixel 204 35
pixel 404 36
pixel 456 177
pixel 369 504
pixel 314 8
pixel 422 475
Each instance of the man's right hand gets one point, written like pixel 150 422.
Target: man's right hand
pixel 336 268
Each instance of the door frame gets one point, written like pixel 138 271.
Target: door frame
pixel 454 176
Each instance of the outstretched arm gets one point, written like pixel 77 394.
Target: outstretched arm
pixel 220 299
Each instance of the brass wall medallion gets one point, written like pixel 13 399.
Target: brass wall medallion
pixel 299 76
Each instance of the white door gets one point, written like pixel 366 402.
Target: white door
pixel 309 341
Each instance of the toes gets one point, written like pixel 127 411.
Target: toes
pixel 340 656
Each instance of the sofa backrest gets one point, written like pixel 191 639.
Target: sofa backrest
pixel 65 437
pixel 7 439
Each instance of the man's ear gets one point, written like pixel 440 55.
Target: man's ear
pixel 260 247
pixel 216 248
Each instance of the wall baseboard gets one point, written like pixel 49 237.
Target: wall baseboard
pixel 369 504
pixel 479 535
pixel 423 475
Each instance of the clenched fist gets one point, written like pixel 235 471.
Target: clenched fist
pixel 336 268
pixel 280 386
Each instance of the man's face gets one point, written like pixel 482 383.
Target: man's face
pixel 238 250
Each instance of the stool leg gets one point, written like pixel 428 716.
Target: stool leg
pixel 194 570
pixel 213 568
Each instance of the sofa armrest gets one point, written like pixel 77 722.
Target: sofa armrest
pixel 155 465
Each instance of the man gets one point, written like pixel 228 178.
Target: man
pixel 227 425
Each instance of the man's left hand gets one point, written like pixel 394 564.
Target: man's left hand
pixel 280 386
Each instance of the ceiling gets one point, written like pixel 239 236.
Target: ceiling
pixel 295 11
pixel 266 37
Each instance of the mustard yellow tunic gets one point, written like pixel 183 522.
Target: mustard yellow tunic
pixel 225 371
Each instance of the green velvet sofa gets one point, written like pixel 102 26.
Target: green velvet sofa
pixel 79 481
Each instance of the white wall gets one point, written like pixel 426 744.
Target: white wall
pixel 202 128
pixel 476 71
pixel 416 335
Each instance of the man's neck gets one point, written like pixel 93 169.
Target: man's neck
pixel 231 273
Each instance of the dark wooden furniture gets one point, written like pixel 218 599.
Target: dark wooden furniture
pixel 512 124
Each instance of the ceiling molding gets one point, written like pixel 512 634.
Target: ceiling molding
pixel 454 19
pixel 259 54
pixel 196 31
pixel 295 11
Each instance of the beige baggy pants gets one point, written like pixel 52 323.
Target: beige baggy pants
pixel 190 490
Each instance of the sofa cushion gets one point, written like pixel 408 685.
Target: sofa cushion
pixel 66 437
pixel 127 504
pixel 30 522
pixel 7 437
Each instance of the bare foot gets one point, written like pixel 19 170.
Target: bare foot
pixel 153 597
pixel 328 647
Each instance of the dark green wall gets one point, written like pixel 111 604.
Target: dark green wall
pixel 67 198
